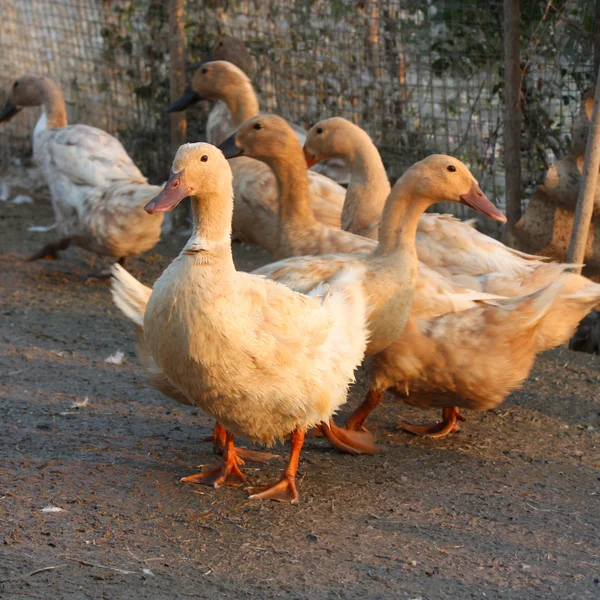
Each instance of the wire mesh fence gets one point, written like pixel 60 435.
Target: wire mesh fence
pixel 420 77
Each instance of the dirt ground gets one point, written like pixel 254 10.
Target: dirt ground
pixel 507 508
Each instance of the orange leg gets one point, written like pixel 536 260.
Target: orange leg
pixel 449 424
pixel 358 417
pixel 227 473
pixel 285 489
pixel 350 442
pixel 218 439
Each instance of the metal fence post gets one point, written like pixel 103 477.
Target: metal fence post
pixel 587 189
pixel 512 110
pixel 177 88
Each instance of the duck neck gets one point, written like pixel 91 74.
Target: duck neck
pixel 210 241
pixel 368 189
pixel 292 184
pixel 242 103
pixel 399 223
pixel 53 104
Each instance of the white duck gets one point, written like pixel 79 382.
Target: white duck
pixel 255 187
pixel 97 192
pixel 443 242
pixel 272 363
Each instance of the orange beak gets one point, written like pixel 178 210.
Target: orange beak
pixel 478 201
pixel 172 194
pixel 310 159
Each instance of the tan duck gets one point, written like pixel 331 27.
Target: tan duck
pixel 391 264
pixel 389 269
pixel 475 358
pixel 97 192
pixel 270 139
pixel 272 363
pixel 443 242
pixel 255 187
pixel 219 124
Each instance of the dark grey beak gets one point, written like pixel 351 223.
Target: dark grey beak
pixel 229 147
pixel 8 112
pixel 189 97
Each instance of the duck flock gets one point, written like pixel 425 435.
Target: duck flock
pixel 441 315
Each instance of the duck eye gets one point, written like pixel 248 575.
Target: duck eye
pixel 220 43
pixel 204 71
pixel 451 168
pixel 257 126
pixel 16 84
pixel 204 157
pixel 319 130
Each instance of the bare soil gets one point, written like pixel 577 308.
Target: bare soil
pixel 507 508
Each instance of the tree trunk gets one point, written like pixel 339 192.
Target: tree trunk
pixel 177 85
pixel 512 110
pixel 587 190
pixel 597 38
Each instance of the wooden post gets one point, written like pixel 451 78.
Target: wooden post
pixel 177 88
pixel 512 110
pixel 587 189
pixel 597 38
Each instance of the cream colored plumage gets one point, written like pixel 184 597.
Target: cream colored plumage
pixel 271 363
pixel 470 359
pixel 391 265
pixel 443 242
pixel 97 191
pixel 255 187
pixel 475 358
pixel 270 139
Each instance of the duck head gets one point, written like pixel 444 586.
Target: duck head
pixel 25 91
pixel 197 169
pixel 212 80
pixel 331 138
pixel 449 180
pixel 263 137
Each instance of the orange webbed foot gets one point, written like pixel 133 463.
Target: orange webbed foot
pixel 348 441
pixel 449 424
pixel 218 476
pixel 283 491
pixel 227 473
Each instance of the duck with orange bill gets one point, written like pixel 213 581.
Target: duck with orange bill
pixel 453 248
pixel 255 188
pixel 271 364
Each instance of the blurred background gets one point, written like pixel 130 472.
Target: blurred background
pixel 419 76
